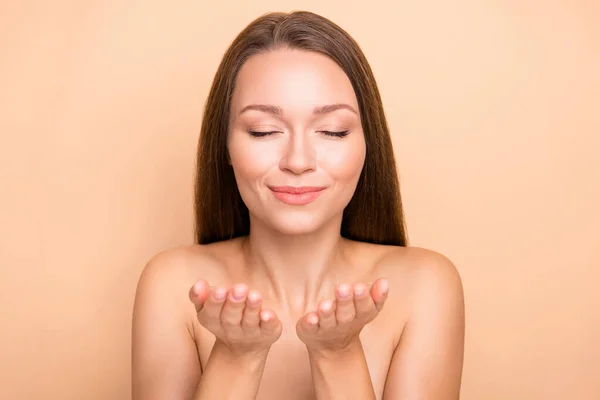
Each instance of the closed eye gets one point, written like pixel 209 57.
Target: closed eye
pixel 328 133
pixel 336 134
pixel 261 134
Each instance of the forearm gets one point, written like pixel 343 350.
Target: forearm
pixel 228 376
pixel 341 375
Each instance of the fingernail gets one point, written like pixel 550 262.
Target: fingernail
pixel 219 294
pixel 253 298
pixel 196 288
pixel 344 291
pixel 385 286
pixel 238 292
pixel 359 290
pixel 326 306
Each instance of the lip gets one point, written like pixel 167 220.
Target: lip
pixel 297 195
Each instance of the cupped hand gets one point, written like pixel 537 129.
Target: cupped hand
pixel 236 317
pixel 337 323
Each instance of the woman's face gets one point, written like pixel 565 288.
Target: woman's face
pixel 295 140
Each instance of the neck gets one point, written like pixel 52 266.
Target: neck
pixel 298 269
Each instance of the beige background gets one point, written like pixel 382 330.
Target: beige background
pixel 494 113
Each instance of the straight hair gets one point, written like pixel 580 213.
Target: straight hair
pixel 375 213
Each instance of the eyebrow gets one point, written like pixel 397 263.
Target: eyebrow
pixel 275 110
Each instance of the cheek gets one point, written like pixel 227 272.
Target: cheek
pixel 244 160
pixel 345 162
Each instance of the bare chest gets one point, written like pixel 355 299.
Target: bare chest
pixel 287 373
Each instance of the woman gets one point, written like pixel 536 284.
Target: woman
pixel 301 285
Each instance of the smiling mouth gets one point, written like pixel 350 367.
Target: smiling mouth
pixel 297 195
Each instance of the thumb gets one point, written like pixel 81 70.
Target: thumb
pixel 379 292
pixel 199 293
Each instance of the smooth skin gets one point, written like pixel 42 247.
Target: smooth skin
pixel 245 330
pixel 294 310
pixel 338 322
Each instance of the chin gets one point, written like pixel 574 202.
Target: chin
pixel 296 223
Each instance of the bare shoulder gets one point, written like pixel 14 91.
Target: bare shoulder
pixel 424 284
pixel 181 263
pixel 416 269
pixel 163 322
pixel 427 292
pixel 184 265
pixel 168 276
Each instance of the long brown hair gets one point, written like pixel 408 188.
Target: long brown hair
pixel 375 212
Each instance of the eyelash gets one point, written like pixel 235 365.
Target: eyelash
pixel 328 133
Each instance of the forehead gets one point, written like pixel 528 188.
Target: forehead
pixel 294 80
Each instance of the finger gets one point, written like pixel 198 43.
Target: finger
pixel 199 293
pixel 234 306
pixel 211 312
pixel 344 308
pixel 327 315
pixel 363 302
pixel 251 317
pixel 379 292
pixel 309 323
pixel 269 323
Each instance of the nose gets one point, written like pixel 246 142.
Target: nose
pixel 299 155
